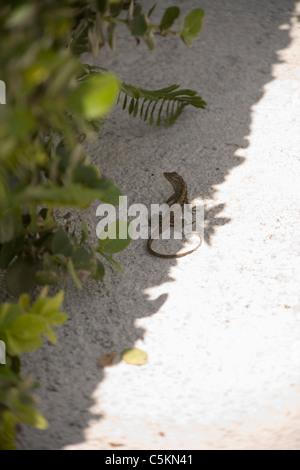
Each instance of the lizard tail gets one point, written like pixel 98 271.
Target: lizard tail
pixel 175 255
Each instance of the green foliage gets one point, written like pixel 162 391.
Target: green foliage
pixel 170 15
pixel 192 26
pixel 141 102
pixel 94 97
pixel 21 328
pixel 39 259
pixel 42 161
pixel 169 100
pixel 96 24
pixel 113 240
pixel 53 103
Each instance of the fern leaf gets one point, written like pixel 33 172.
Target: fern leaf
pixel 176 99
pixel 159 113
pixel 125 101
pixel 136 108
pixel 131 106
pixel 147 110
pixel 119 96
pixel 142 107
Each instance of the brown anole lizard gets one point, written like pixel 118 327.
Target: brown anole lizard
pixel 179 197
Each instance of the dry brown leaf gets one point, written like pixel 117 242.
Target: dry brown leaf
pixel 107 360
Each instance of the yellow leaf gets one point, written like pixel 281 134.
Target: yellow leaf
pixel 135 356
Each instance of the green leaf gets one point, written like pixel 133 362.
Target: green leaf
pixel 8 312
pixel 170 95
pixel 56 318
pixel 61 243
pixel 44 213
pixel 49 274
pixel 26 326
pixel 87 175
pixel 20 15
pixel 8 376
pixel 131 106
pixel 170 15
pixel 72 195
pixel 137 9
pixel 84 232
pixel 125 102
pixel 100 271
pixel 24 301
pixel 136 108
pixel 71 270
pixel 16 365
pixel 8 225
pixel 29 415
pixel 111 36
pixel 115 7
pixel 95 96
pixel 112 262
pixel 186 39
pixel 47 308
pixel 20 276
pixel 21 122
pixel 151 10
pixel 84 262
pixel 150 40
pixel 146 112
pixel 48 277
pixel 140 25
pixel 50 335
pixel 130 90
pixel 135 356
pixel 23 333
pixel 130 10
pixel 7 430
pixel 9 250
pixel 119 227
pixel 102 5
pixel 193 23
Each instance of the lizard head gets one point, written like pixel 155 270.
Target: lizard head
pixel 175 179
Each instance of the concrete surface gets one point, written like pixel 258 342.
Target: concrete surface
pixel 222 326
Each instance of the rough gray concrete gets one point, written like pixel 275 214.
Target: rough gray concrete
pixel 222 326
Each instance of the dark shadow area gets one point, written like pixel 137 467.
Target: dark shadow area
pixel 229 66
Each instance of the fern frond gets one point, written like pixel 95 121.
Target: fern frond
pixel 170 100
